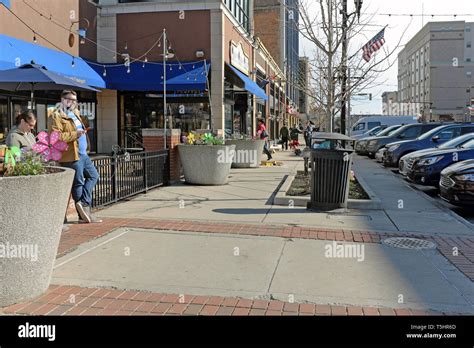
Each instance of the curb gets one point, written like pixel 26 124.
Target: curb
pixel 281 198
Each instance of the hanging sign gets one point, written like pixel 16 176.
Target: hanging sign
pixel 238 58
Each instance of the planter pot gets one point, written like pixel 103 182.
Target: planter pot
pixel 32 212
pixel 206 164
pixel 248 153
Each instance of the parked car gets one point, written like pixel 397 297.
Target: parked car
pixel 457 183
pixel 379 154
pixel 361 145
pixel 408 159
pixel 374 131
pixel 439 135
pixel 427 168
pixel 366 123
pixel 407 132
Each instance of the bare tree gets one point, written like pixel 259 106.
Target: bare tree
pixel 320 24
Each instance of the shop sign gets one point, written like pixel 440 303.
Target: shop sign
pixel 238 58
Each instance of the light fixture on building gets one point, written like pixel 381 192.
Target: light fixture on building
pixel 199 54
pixel 34 37
pixel 81 32
pixel 82 36
pixel 126 45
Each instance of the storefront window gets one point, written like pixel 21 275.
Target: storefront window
pixel 4 124
pixel 141 112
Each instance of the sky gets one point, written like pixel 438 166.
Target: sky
pixel 396 27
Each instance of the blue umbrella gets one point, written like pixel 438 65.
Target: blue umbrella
pixel 29 77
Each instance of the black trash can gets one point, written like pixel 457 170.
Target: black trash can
pixel 330 164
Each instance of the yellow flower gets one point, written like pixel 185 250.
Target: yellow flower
pixel 191 139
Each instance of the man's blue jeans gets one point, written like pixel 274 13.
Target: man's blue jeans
pixel 84 180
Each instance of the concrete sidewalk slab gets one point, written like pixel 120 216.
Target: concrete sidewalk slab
pixel 174 262
pixel 368 220
pixel 266 267
pixel 379 280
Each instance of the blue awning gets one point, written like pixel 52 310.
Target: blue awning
pixel 249 85
pixel 15 52
pixel 181 78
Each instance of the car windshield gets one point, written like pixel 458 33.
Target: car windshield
pixel 468 145
pixel 373 131
pixel 399 130
pixel 456 141
pixel 430 133
pixel 388 131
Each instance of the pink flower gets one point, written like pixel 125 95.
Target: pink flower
pixel 50 146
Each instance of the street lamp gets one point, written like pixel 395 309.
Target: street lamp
pixel 344 90
pixel 167 54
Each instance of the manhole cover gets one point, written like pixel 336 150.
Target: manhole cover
pixel 409 243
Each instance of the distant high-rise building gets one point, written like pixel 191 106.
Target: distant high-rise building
pixel 435 72
pixel 390 103
pixel 276 23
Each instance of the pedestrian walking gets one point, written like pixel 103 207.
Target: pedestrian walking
pixel 67 120
pixel 263 135
pixel 284 134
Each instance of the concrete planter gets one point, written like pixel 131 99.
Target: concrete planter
pixel 32 212
pixel 248 153
pixel 206 164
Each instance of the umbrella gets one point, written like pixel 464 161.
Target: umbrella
pixel 29 77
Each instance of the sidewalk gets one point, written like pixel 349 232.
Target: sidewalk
pixel 235 253
pixel 249 198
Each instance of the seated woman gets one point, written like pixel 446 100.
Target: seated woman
pixel 21 135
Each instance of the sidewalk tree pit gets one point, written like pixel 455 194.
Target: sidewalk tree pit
pixel 301 186
pixel 206 159
pixel 34 199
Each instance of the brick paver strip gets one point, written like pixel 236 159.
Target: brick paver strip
pixel 101 301
pixel 107 306
pixel 80 233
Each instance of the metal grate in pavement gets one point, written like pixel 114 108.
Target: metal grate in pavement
pixel 408 243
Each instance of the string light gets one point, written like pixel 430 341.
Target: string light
pixel 180 67
pixel 34 37
pixel 73 64
pixel 104 74
pixel 128 70
pixel 126 45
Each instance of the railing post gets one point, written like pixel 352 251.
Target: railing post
pixel 115 179
pixel 145 171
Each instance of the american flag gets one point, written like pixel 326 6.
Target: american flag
pixel 373 45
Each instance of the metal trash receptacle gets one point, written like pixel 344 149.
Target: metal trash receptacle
pixel 330 163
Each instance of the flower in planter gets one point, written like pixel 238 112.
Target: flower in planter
pixel 12 154
pixel 203 139
pixel 50 146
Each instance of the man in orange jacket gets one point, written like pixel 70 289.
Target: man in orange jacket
pixel 67 120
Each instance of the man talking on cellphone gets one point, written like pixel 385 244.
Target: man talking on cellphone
pixel 67 120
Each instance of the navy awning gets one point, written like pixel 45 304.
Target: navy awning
pixel 181 77
pixel 249 85
pixel 15 52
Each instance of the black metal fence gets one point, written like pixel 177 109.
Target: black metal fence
pixel 128 174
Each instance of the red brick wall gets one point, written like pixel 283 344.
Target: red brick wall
pixel 156 143
pixel 267 28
